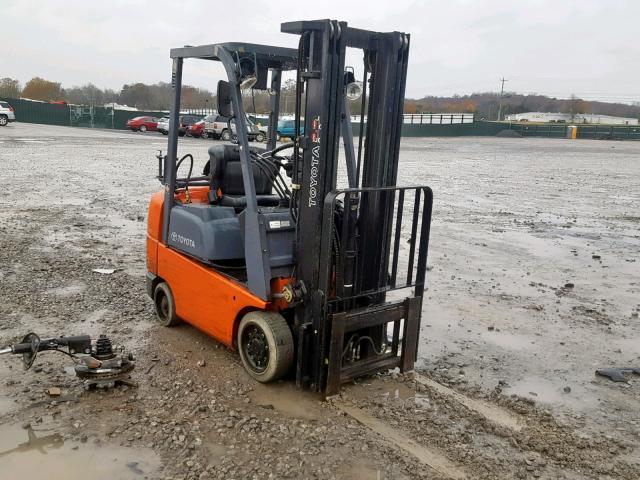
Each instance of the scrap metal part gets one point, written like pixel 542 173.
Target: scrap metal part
pixel 99 365
pixel 617 374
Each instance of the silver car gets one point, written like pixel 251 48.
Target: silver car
pixel 6 114
pixel 163 125
pixel 217 126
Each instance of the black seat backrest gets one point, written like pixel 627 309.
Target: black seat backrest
pixel 226 172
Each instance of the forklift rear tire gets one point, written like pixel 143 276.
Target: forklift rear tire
pixel 165 305
pixel 266 345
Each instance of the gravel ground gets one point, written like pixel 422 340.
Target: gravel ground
pixel 534 283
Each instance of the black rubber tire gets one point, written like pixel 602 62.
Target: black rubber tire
pixel 165 305
pixel 279 342
pixel 260 137
pixel 165 132
pixel 225 135
pixel 142 128
pixel 4 120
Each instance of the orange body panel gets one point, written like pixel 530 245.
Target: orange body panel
pixel 204 298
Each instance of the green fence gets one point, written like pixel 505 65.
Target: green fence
pixel 598 132
pixel 606 132
pixel 39 112
pixel 30 111
pixel 540 130
pixel 92 117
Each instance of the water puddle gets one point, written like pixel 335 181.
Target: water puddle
pixel 7 405
pixel 286 399
pixel 546 391
pixel 43 453
pixel 393 390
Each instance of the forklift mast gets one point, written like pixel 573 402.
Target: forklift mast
pixel 344 242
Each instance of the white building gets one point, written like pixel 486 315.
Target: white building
pixel 547 117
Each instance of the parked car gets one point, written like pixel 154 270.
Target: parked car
pixel 142 124
pixel 287 128
pixel 185 121
pixel 6 114
pixel 163 125
pixel 217 126
pixel 197 130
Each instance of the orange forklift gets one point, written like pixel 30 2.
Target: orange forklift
pixel 305 271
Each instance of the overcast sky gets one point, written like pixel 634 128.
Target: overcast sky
pixel 587 47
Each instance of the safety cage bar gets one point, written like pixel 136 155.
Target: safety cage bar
pixel 348 272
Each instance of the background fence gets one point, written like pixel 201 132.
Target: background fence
pixel 30 111
pixel 414 125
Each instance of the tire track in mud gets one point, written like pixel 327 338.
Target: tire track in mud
pixel 428 456
pixel 492 438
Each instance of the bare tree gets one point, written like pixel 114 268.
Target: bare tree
pixel 10 88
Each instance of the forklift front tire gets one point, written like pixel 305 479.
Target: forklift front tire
pixel 266 345
pixel 165 305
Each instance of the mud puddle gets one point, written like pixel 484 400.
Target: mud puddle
pixel 550 392
pixel 287 399
pixel 7 405
pixel 30 453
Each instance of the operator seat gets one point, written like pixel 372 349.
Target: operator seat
pixel 225 171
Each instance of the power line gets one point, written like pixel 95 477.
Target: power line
pixel 501 96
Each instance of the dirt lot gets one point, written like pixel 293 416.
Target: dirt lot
pixel 534 283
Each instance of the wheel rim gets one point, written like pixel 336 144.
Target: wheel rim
pixel 226 136
pixel 3 121
pixel 163 307
pixel 256 348
pixel 143 128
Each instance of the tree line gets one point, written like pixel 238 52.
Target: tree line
pixel 158 97
pixel 139 95
pixel 486 105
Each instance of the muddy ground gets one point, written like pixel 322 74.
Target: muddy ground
pixel 534 283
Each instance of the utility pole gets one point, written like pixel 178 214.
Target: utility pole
pixel 501 95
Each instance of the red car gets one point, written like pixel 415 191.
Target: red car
pixel 197 130
pixel 142 124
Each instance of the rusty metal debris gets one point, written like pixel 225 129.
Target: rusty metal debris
pixel 99 364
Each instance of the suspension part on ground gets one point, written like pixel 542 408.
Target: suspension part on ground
pixel 99 365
